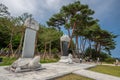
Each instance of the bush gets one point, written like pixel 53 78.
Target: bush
pixel 7 61
pixel 110 60
pixel 48 60
pixel 56 56
pixel 55 50
pixel 42 51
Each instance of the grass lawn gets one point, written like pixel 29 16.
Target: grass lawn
pixel 72 77
pixel 111 70
pixel 8 61
pixel 48 60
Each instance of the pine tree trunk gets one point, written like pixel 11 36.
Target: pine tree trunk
pixel 84 43
pixel 96 47
pixel 45 50
pixel 99 48
pixel 77 47
pixel 74 26
pixel 10 45
pixel 90 53
pixel 68 32
pixel 50 50
pixel 19 49
pixel 61 47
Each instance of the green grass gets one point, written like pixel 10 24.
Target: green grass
pixel 8 61
pixel 111 70
pixel 72 77
pixel 48 60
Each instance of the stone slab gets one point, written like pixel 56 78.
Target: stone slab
pixel 29 43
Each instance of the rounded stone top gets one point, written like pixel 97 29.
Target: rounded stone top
pixel 31 23
pixel 65 38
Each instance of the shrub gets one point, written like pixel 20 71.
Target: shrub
pixel 55 50
pixel 48 60
pixel 56 56
pixel 110 60
pixel 7 61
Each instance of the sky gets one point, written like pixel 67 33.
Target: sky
pixel 107 11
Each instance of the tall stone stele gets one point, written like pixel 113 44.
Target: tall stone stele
pixel 27 62
pixel 64 48
pixel 30 36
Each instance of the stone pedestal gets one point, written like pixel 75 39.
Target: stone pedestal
pixel 26 64
pixel 63 59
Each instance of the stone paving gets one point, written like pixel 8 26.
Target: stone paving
pixel 54 70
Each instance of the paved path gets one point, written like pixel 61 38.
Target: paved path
pixel 54 70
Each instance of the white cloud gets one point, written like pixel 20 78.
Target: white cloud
pixel 17 7
pixel 52 4
pixel 39 8
pixel 101 8
pixel 43 9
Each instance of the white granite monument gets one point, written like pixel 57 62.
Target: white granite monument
pixel 27 62
pixel 66 57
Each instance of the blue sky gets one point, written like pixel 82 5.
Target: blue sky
pixel 107 11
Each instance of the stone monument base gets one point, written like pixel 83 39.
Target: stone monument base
pixel 64 59
pixel 26 64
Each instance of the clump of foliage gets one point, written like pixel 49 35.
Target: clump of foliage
pixel 7 61
pixel 48 60
pixel 104 57
pixel 87 33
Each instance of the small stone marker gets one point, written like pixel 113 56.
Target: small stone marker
pixel 65 40
pixel 64 43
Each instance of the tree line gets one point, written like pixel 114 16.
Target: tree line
pixel 84 31
pixel 12 32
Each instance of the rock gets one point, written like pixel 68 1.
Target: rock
pixel 18 69
pixel 35 63
pixel 21 62
pixel 66 59
pixel 70 59
pixel 26 64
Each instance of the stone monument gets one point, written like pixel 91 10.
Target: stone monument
pixel 29 40
pixel 64 49
pixel 27 62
